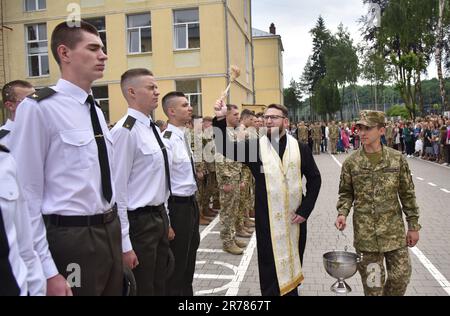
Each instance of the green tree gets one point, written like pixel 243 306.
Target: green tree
pixel 398 110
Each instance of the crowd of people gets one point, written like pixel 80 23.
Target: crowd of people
pixel 427 138
pixel 85 204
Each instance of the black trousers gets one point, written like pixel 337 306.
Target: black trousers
pixel 184 220
pixel 149 238
pixel 267 272
pixel 89 257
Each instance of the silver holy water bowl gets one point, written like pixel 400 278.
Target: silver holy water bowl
pixel 341 265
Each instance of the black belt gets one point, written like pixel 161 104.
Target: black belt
pixel 181 199
pixel 82 221
pixel 147 209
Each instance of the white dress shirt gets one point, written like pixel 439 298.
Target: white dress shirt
pixel 9 126
pixel 181 175
pixel 58 160
pixel 24 261
pixel 140 176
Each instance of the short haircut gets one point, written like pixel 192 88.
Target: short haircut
pixel 207 119
pixel 166 100
pixel 70 36
pixel 131 74
pixel 8 93
pixel 160 123
pixel 280 107
pixel 232 107
pixel 246 113
pixel 259 114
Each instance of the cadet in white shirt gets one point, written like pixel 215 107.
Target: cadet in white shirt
pixel 183 208
pixel 12 94
pixel 20 269
pixel 142 184
pixel 64 150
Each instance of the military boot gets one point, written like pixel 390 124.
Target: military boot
pixel 243 233
pixel 249 224
pixel 240 243
pixel 249 230
pixel 203 220
pixel 232 248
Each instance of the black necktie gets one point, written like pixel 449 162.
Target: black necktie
pixel 188 148
pixel 164 151
pixel 102 151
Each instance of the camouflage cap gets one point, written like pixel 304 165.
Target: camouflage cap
pixel 371 118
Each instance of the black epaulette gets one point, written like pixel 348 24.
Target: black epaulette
pixel 3 133
pixel 129 122
pixel 42 94
pixel 167 134
pixel 4 149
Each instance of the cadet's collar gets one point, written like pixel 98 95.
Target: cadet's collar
pixel 366 163
pixel 9 125
pixel 179 131
pixel 139 116
pixel 72 90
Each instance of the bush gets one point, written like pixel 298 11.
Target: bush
pixel 398 110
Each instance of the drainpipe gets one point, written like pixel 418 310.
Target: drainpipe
pixel 227 47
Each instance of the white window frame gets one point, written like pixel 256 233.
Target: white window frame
pixel 140 28
pixel 186 24
pixel 40 55
pixel 100 31
pixel 191 94
pixel 36 2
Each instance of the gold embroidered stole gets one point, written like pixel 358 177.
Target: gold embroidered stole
pixel 284 196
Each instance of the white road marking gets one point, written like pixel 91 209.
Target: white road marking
pixel 211 250
pixel 242 268
pixel 443 282
pixel 444 190
pixel 432 184
pixel 421 179
pixel 209 228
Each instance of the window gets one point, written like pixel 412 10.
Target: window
pixel 102 97
pixel 193 91
pixel 100 25
pixel 139 33
pixel 37 50
pixel 186 29
pixel 35 5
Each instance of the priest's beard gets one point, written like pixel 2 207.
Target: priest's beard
pixel 274 132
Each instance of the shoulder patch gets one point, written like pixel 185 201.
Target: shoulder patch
pixel 129 122
pixel 42 94
pixel 3 133
pixel 167 134
pixel 4 149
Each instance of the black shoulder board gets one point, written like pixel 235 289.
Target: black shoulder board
pixel 3 133
pixel 42 94
pixel 129 122
pixel 167 134
pixel 4 149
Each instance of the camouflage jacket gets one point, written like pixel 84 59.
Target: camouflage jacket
pixel 316 132
pixel 334 132
pixel 303 133
pixel 389 132
pixel 228 171
pixel 376 194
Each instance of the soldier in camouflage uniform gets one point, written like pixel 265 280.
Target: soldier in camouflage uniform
pixel 334 136
pixel 211 187
pixel 303 133
pixel 228 174
pixel 316 135
pixel 390 135
pixel 375 180
pixel 247 198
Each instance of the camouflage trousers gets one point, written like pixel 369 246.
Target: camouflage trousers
pixel 333 143
pixel 229 203
pixel 304 140
pixel 316 146
pixel 211 189
pixel 373 275
pixel 246 198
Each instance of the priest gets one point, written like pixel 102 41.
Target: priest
pixel 278 163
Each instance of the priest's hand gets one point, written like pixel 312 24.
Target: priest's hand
pixel 341 222
pixel 297 219
pixel 220 109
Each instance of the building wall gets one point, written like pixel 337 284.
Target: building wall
pixel 268 70
pixel 208 64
